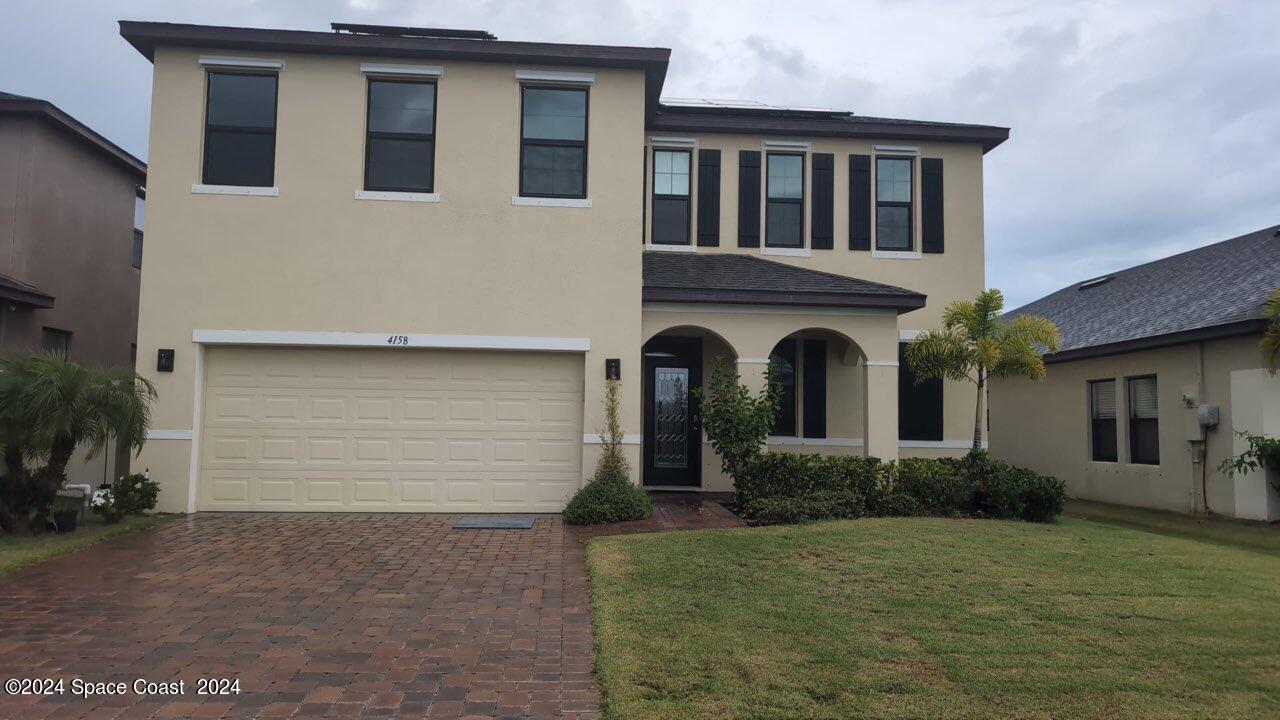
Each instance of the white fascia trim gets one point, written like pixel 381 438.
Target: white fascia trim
pixel 753 361
pixel 398 196
pixel 878 363
pixel 897 254
pixel 785 145
pixel 727 309
pixel 380 340
pixel 550 202
pixel 666 141
pixel 170 434
pixel 898 149
pixel 408 70
pixel 815 442
pixel 909 335
pixel 659 247
pixel 556 77
pixel 241 62
pixel 939 444
pixel 788 252
pixel 198 189
pixel 626 440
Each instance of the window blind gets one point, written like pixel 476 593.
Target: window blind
pixel 1104 399
pixel 1142 398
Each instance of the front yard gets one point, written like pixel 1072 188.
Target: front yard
pixel 16 552
pixel 936 618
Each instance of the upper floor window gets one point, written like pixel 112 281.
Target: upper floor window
pixel 240 130
pixel 55 340
pixel 784 210
pixel 1102 420
pixel 893 203
pixel 136 257
pixel 400 142
pixel 139 218
pixel 1144 421
pixel 671 197
pixel 553 142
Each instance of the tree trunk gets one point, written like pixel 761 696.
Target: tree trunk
pixel 14 510
pixel 48 480
pixel 977 411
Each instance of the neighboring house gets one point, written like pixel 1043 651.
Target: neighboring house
pixel 1143 350
pixel 390 268
pixel 70 245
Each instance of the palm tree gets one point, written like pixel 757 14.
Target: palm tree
pixel 49 405
pixel 975 344
pixel 1271 336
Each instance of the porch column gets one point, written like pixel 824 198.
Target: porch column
pixel 880 415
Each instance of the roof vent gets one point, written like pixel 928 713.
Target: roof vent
pixel 405 31
pixel 1095 282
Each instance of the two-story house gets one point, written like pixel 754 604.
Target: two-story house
pixel 390 269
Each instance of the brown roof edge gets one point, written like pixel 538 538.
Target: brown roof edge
pixel 989 136
pixel 902 303
pixel 1215 332
pixel 48 111
pixel 20 293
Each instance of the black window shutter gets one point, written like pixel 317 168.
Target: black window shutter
pixel 748 198
pixel 859 202
pixel 823 205
pixel 931 240
pixel 709 198
pixel 919 404
pixel 815 388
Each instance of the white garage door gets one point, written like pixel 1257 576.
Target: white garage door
pixel 371 430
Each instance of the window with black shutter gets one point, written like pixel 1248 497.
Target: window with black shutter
pixel 815 388
pixel 1102 420
pixel 748 198
pixel 709 198
pixel 919 403
pixel 823 204
pixel 783 362
pixel 859 202
pixel 553 142
pixel 240 130
pixel 931 214
pixel 784 212
pixel 400 136
pixel 1144 421
pixel 893 203
pixel 671 197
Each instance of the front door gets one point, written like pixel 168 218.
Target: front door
pixel 672 427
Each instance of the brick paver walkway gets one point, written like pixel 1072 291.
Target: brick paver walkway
pixel 345 615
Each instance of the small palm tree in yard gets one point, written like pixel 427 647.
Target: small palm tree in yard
pixel 50 405
pixel 975 344
pixel 1271 336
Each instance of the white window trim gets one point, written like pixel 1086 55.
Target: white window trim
pixel 169 434
pixel 831 442
pixel 398 196
pixel 898 149
pixel 567 78
pixel 215 61
pixel 878 363
pixel 679 142
pixel 379 340
pixel 939 444
pixel 909 335
pixel 659 247
pixel 785 145
pixel 753 361
pixel 594 439
pixel 520 200
pixel 789 252
pixel 199 189
pixel 897 254
pixel 403 70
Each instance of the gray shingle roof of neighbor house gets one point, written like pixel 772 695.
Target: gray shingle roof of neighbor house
pixel 662 117
pixel 1213 291
pixel 734 278
pixel 11 104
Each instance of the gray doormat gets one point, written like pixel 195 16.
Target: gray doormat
pixel 487 522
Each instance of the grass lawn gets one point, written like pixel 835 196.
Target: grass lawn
pixel 1251 535
pixel 935 618
pixel 16 552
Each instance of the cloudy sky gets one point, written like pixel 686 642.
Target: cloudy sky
pixel 1140 128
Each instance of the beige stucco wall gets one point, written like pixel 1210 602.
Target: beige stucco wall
pixel 316 259
pixel 1045 424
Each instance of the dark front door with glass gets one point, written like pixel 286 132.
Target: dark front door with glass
pixel 672 431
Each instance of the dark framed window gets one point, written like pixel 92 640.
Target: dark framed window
pixel 1102 421
pixel 137 249
pixel 400 141
pixel 553 142
pixel 1144 421
pixel 783 362
pixel 919 403
pixel 671 196
pixel 893 203
pixel 784 205
pixel 55 340
pixel 240 130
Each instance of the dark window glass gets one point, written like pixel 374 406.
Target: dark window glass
pixel 553 142
pixel 400 148
pixel 919 403
pixel 240 130
pixel 783 362
pixel 1102 420
pixel 1144 421
pixel 671 197
pixel 893 203
pixel 784 213
pixel 54 340
pixel 137 249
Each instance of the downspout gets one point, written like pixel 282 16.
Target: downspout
pixel 1200 448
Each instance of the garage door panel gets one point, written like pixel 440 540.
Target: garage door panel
pixel 393 430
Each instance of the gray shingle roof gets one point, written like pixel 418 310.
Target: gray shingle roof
pixel 738 278
pixel 1223 284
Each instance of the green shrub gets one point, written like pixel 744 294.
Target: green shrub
pixel 939 487
pixel 736 422
pixel 135 494
pixel 899 504
pixel 820 505
pixel 609 497
pixel 783 474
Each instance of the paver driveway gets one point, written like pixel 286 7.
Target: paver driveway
pixel 315 615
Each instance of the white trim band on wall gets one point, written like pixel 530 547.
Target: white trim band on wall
pixel 858 442
pixel 785 145
pixel 170 434
pixel 909 335
pixel 753 361
pixel 390 340
pixel 594 439
pixel 879 363
pixel 216 61
pixel 518 200
pixel 407 70
pixel 665 141
pixel 898 149
pixel 549 76
pixel 398 196
pixel 199 189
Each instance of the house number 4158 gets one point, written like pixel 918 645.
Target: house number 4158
pixel 398 340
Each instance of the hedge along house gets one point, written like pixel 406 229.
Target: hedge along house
pixel 1159 367
pixel 391 268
